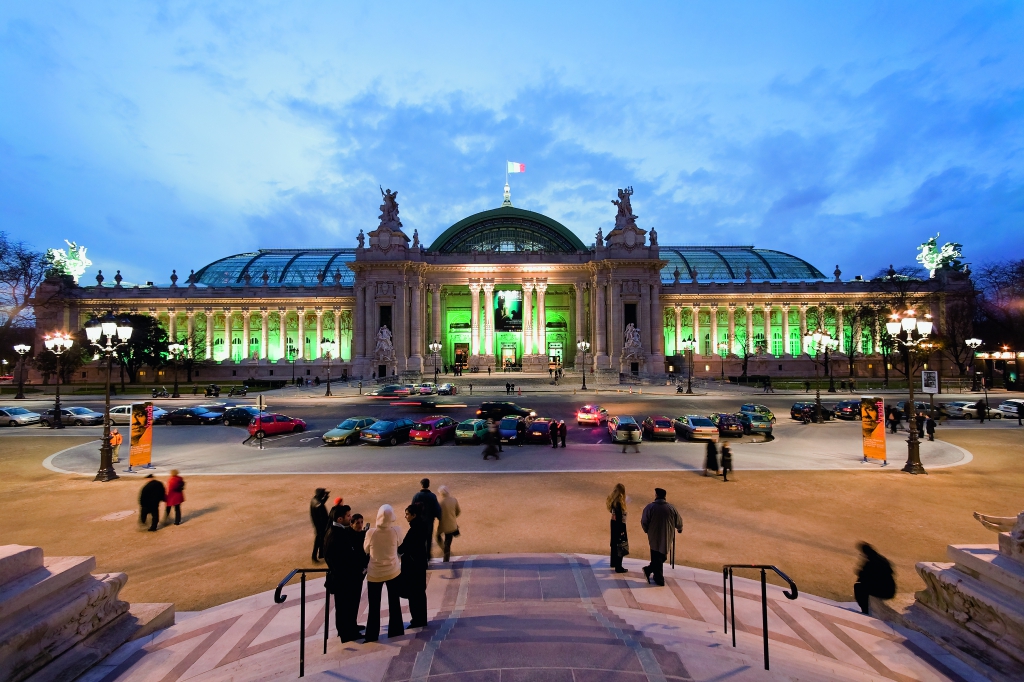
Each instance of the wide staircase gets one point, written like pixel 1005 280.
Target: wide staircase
pixel 543 617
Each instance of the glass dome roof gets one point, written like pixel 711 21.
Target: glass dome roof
pixel 730 264
pixel 284 267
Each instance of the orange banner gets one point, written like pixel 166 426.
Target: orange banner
pixel 141 452
pixel 872 424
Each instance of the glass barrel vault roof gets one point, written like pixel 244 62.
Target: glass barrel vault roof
pixel 284 267
pixel 730 264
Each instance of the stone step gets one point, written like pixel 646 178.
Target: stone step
pixel 18 560
pixel 55 574
pixel 987 564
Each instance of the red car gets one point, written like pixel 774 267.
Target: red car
pixel 273 424
pixel 433 430
pixel 658 426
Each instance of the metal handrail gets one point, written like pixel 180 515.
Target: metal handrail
pixel 729 604
pixel 280 598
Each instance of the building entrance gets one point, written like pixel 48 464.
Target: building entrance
pixel 508 356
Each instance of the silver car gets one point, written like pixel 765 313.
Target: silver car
pixel 122 414
pixel 1010 408
pixel 632 434
pixel 76 416
pixel 18 416
pixel 696 427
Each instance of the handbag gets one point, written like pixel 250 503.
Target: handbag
pixel 622 546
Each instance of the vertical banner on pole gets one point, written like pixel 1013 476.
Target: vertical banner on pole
pixel 141 453
pixel 929 381
pixel 872 424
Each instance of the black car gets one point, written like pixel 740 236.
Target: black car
pixel 728 424
pixel 191 415
pixel 498 409
pixel 239 416
pixel 808 412
pixel 847 409
pixel 389 431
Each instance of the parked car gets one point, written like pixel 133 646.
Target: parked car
pixel 508 429
pixel 804 411
pixel 968 409
pixel 538 430
pixel 348 431
pixel 1008 408
pixel 728 424
pixel 72 416
pixel 758 409
pixel 390 391
pixel 847 409
pixel 755 424
pixel 447 389
pixel 696 427
pixel 427 388
pixel 591 414
pixel 390 432
pixel 240 415
pixel 659 426
pixel 190 415
pixel 122 414
pixel 433 430
pixel 274 424
pixel 18 416
pixel 470 431
pixel 502 408
pixel 919 405
pixel 619 434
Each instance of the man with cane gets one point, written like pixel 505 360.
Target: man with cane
pixel 659 520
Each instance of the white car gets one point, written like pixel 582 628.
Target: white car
pixel 122 414
pixel 1010 409
pixel 18 416
pixel 591 414
pixel 968 409
pixel 624 429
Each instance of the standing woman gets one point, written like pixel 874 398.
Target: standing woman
pixel 711 462
pixel 616 504
pixel 381 544
pixel 175 496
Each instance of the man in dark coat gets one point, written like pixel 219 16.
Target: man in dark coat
pixel 520 432
pixel 659 520
pixel 343 551
pixel 562 431
pixel 153 493
pixel 981 411
pixel 874 578
pixel 431 511
pixel 929 427
pixel 553 433
pixel 318 515
pixel 414 566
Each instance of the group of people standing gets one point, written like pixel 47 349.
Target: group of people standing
pixel 712 463
pixel 154 492
pixel 924 423
pixel 381 555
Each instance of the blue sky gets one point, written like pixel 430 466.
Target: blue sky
pixel 166 135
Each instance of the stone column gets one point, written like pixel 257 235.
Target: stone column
pixel 581 323
pixel 750 327
pixel 209 333
pixel 319 332
pixel 416 331
pixel 474 318
pixel 527 317
pixel 400 334
pixel 337 333
pixel 657 327
pixel 246 330
pixel 600 312
pixel 435 310
pixel 768 328
pixel 264 334
pixel 300 340
pixel 359 323
pixel 695 327
pixel 714 329
pixel 840 332
pixel 370 327
pixel 679 328
pixel 190 327
pixel 614 321
pixel 229 331
pixel 786 350
pixel 876 332
pixel 855 336
pixel 488 318
pixel 172 325
pixel 643 322
pixel 803 328
pixel 732 329
pixel 542 320
pixel 282 335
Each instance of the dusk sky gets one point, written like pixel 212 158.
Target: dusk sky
pixel 167 135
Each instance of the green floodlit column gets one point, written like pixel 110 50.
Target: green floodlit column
pixel 527 332
pixel 264 336
pixel 786 350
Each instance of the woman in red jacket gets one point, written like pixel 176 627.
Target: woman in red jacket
pixel 175 496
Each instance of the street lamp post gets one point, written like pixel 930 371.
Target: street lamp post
pixel 328 349
pixel 689 346
pixel 973 344
pixel 57 343
pixel 22 350
pixel 821 339
pixel 435 348
pixel 107 335
pixel 910 332
pixel 722 348
pixel 176 350
pixel 828 366
pixel 584 346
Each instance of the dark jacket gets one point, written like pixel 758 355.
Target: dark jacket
pixel 318 514
pixel 659 520
pixel 428 500
pixel 711 460
pixel 618 527
pixel 152 495
pixel 876 575
pixel 415 559
pixel 562 430
pixel 726 457
pixel 343 552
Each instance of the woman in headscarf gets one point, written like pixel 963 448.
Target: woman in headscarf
pixel 616 504
pixel 381 544
pixel 449 525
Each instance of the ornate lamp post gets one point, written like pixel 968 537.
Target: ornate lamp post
pixel 21 349
pixel 973 344
pixel 435 348
pixel 689 346
pixel 328 350
pixel 107 335
pixel 910 332
pixel 176 350
pixel 57 343
pixel 722 348
pixel 584 347
pixel 821 340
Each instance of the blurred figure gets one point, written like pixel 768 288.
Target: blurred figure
pixel 929 427
pixel 711 458
pixel 562 431
pixel 616 504
pixel 659 520
pixel 414 565
pixel 381 544
pixel 726 461
pixel 981 411
pixel 874 578
pixel 149 500
pixel 318 515
pixel 449 525
pixel 175 496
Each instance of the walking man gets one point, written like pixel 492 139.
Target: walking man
pixel 562 430
pixel 929 426
pixel 430 510
pixel 553 433
pixel 659 520
pixel 152 495
pixel 981 411
pixel 318 515
pixel 726 461
pixel 874 578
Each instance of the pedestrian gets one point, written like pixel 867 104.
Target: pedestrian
pixel 115 445
pixel 711 458
pixel 807 387
pixel 1020 413
pixel 726 461
pixel 431 510
pixel 562 431
pixel 175 496
pixel 919 422
pixel 513 389
pixel 659 520
pixel 414 566
pixel 520 432
pixel 981 411
pixel 448 525
pixel 616 504
pixel 318 515
pixel 381 544
pixel 553 433
pixel 344 566
pixel 633 434
pixel 897 419
pixel 874 578
pixel 149 500
pixel 494 433
pixel 488 374
pixel 929 427
pixel 508 388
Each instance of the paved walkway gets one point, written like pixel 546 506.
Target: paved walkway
pixel 505 618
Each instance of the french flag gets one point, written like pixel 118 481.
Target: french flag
pixel 514 167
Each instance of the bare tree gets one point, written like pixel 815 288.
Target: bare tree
pixel 897 290
pixel 22 269
pixel 957 327
pixel 743 349
pixel 1001 287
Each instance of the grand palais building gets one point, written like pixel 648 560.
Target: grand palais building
pixel 504 288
